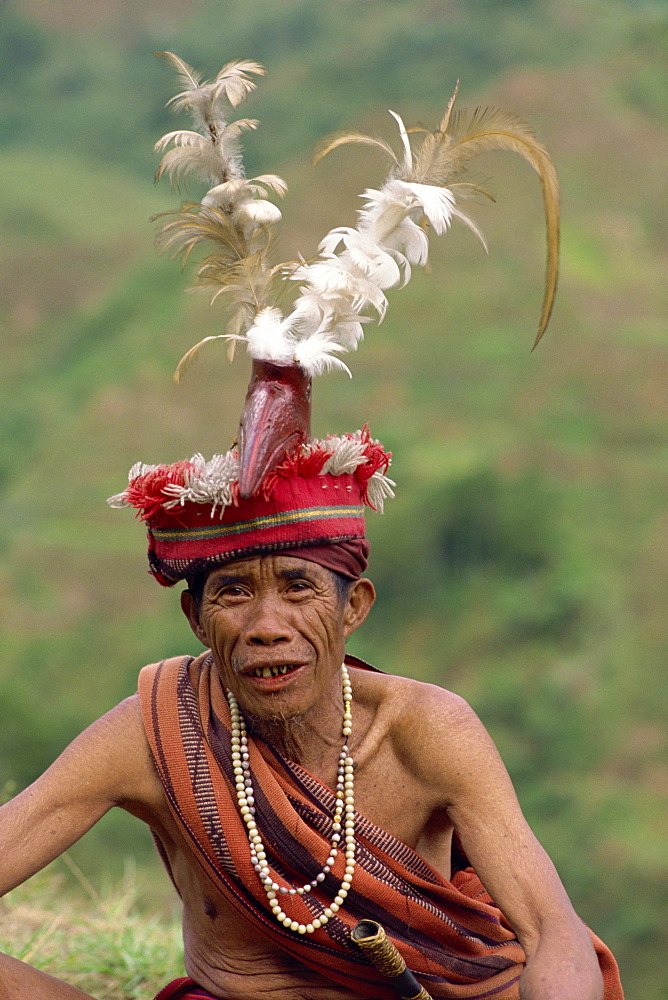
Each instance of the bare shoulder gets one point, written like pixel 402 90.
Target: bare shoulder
pixel 435 732
pixel 112 757
pixel 122 731
pixel 405 702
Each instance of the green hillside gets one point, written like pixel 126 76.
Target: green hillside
pixel 523 561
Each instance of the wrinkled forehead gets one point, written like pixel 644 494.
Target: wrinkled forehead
pixel 267 565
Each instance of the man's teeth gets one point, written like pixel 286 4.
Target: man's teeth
pixel 272 671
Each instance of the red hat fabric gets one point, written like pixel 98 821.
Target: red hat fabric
pixel 312 500
pixel 349 558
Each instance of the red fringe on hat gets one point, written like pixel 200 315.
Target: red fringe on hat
pixel 147 492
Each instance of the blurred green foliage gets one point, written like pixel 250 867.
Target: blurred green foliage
pixel 522 562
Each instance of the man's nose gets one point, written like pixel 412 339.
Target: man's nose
pixel 267 624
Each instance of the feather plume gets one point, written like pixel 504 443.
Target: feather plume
pixel 439 159
pixel 312 315
pixel 257 213
pixel 188 77
pixel 181 137
pixel 196 154
pixel 208 102
pixel 233 77
pixel 437 204
pixel 247 286
pixel 465 135
pixel 364 256
pixel 271 181
pixel 342 289
pixel 339 287
pixel 234 216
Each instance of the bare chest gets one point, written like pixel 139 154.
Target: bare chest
pixel 224 951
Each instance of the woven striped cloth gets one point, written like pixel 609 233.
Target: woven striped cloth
pixel 451 935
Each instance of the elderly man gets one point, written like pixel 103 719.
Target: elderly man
pixel 291 796
pixel 294 791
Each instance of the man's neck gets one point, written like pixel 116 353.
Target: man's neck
pixel 314 746
pixel 313 739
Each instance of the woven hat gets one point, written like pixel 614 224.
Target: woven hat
pixel 313 498
pixel 281 491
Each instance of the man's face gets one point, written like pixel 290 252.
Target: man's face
pixel 277 627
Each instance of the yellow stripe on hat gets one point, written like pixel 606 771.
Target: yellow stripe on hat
pixel 257 523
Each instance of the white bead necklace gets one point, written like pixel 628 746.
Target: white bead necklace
pixel 343 810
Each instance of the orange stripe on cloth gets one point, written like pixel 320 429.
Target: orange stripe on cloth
pixel 450 934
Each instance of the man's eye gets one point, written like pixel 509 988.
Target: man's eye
pixel 298 587
pixel 232 592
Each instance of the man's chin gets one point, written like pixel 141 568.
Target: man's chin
pixel 279 719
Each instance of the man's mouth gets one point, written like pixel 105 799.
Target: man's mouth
pixel 270 679
pixel 272 671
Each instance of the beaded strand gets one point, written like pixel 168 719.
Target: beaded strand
pixel 343 823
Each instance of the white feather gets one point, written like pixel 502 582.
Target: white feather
pixel 384 210
pixel 225 195
pixel 182 137
pixel 364 254
pixel 316 354
pixel 268 338
pixel 375 263
pixel 199 158
pixel 312 315
pixel 349 332
pixel 258 213
pixel 411 241
pixel 307 316
pixel 272 181
pixel 437 204
pixel 355 265
pixel 337 286
pixel 233 78
pixel 408 156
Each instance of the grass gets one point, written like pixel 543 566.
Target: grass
pixel 103 942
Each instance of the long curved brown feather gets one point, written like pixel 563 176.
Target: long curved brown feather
pixel 344 138
pixel 445 154
pixel 189 357
pixel 461 136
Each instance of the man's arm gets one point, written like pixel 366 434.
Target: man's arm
pixel 108 764
pixel 457 754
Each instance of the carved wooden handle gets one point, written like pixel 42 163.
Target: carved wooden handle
pixel 380 951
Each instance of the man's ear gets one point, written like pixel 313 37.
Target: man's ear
pixel 361 598
pixel 191 611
